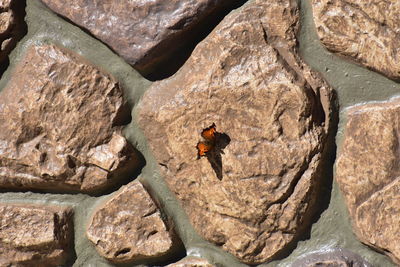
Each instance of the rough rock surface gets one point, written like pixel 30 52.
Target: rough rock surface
pixel 60 123
pixel 141 32
pixel 365 31
pixel 254 191
pixel 129 227
pixel 34 235
pixel 191 262
pixel 334 258
pixel 11 25
pixel 368 174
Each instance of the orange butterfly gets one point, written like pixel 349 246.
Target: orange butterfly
pixel 205 146
pixel 209 133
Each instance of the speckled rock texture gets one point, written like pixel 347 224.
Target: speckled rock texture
pixel 254 191
pixel 142 32
pixel 368 174
pixel 129 227
pixel 332 258
pixel 33 235
pixel 367 32
pixel 12 26
pixel 61 123
pixel 191 262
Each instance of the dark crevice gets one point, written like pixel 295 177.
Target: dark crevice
pixel 150 213
pixel 69 243
pixel 131 169
pixel 4 65
pixel 318 113
pixel 171 64
pixel 121 252
pixel 17 31
pixel 179 46
pixel 321 196
pixel 123 116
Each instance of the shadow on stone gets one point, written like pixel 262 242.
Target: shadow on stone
pixel 72 257
pixel 129 172
pixel 322 194
pixel 10 38
pixel 214 156
pixel 183 49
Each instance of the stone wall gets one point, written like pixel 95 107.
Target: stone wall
pixel 199 133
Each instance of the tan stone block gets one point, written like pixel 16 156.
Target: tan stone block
pixel 60 119
pixel 129 227
pixel 35 235
pixel 368 174
pixel 366 32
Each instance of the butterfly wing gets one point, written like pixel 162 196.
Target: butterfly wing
pixel 203 148
pixel 209 133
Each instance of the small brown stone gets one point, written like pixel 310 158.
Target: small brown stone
pixel 365 31
pixel 129 227
pixel 253 193
pixel 33 235
pixel 191 262
pixel 333 258
pixel 368 174
pixel 142 32
pixel 60 123
pixel 12 25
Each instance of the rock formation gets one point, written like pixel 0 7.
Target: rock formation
pixel 61 125
pixel 364 31
pixel 368 174
pixel 129 227
pixel 141 32
pixel 253 192
pixel 33 235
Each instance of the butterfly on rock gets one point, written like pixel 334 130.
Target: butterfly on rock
pixel 209 135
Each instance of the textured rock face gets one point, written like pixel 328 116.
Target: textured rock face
pixel 142 32
pixel 60 123
pixel 34 235
pixel 365 31
pixel 368 174
pixel 129 227
pixel 11 25
pixel 254 191
pixel 191 262
pixel 335 258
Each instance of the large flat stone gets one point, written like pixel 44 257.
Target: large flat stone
pixel 60 123
pixel 129 227
pixel 364 31
pixel 33 235
pixel 142 32
pixel 254 192
pixel 368 174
